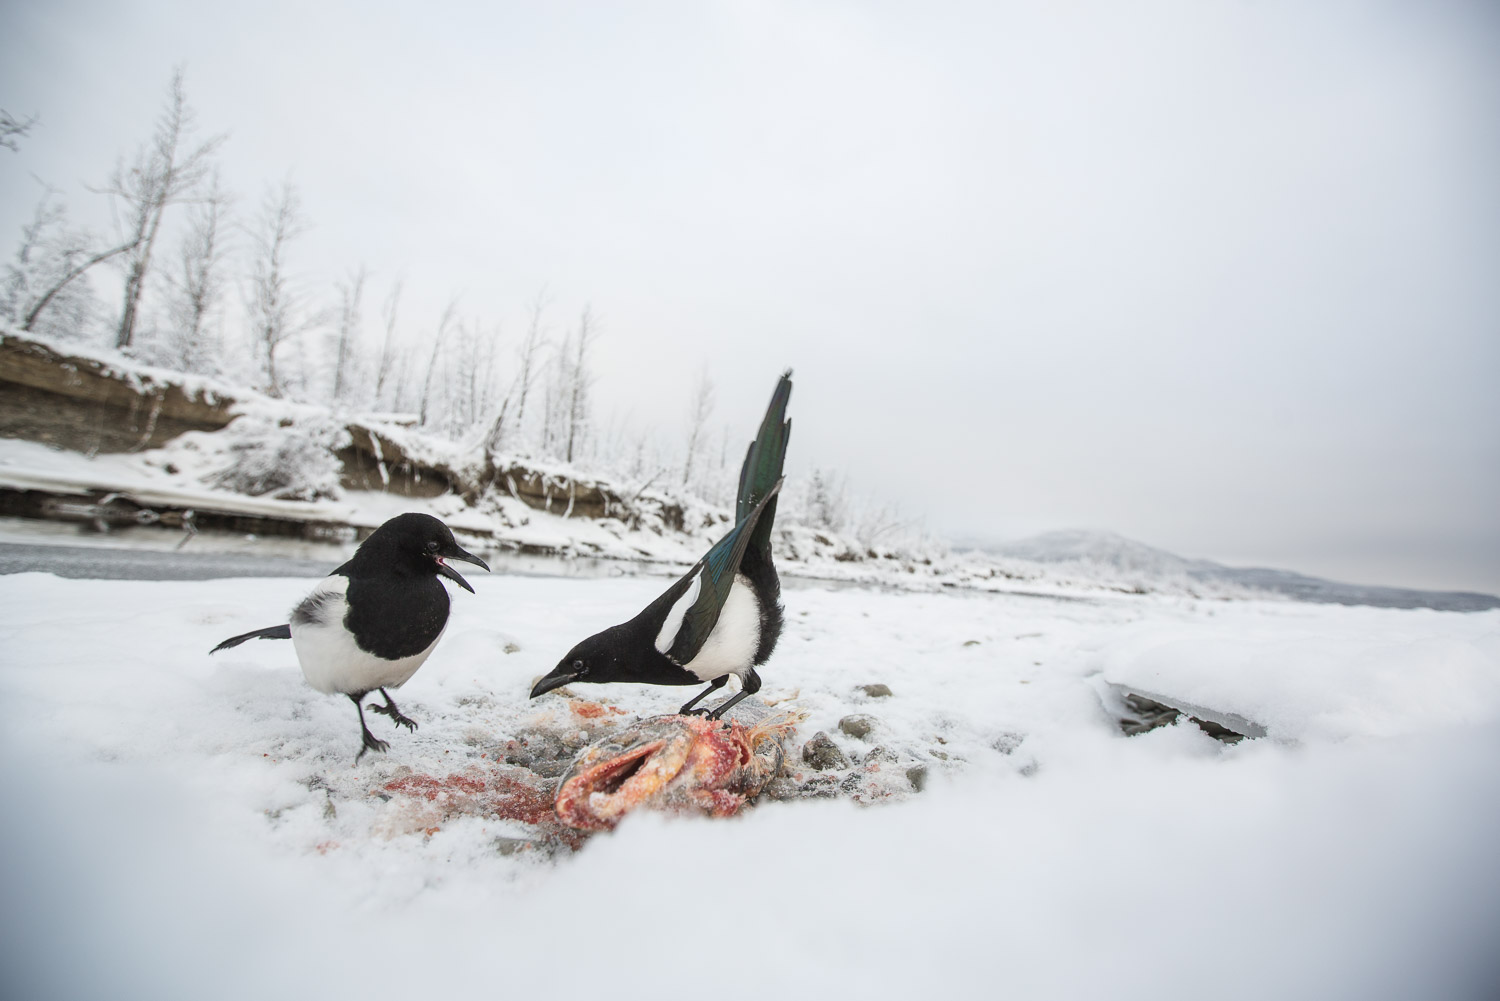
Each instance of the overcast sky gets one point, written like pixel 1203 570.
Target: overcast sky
pixel 1223 277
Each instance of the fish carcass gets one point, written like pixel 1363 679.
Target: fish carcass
pixel 675 763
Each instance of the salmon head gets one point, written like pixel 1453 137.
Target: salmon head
pixel 674 763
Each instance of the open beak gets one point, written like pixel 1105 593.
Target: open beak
pixel 560 676
pixel 455 553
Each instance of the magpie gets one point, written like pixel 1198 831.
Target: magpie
pixel 724 616
pixel 371 623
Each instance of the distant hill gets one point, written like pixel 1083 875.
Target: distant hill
pixel 1126 556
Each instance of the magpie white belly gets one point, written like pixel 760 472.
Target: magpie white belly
pixel 332 662
pixel 731 645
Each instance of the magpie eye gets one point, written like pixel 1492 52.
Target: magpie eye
pixel 580 668
pixel 433 547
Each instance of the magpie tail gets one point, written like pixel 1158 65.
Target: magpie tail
pixel 762 469
pixel 282 632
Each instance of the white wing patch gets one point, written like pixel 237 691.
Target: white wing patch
pixel 731 645
pixel 673 622
pixel 331 661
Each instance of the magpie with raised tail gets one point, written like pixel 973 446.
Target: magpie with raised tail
pixel 371 623
pixel 724 616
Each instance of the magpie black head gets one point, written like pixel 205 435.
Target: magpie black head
pixel 595 659
pixel 616 654
pixel 411 544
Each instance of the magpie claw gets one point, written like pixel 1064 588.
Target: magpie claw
pixel 398 718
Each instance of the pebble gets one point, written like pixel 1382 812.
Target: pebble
pixel 822 753
pixel 917 776
pixel 876 691
pixel 509 846
pixel 1007 742
pixel 858 725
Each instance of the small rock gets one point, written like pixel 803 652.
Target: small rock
pixel 876 691
pixel 510 846
pixel 512 648
pixel 822 753
pixel 329 811
pixel 917 776
pixel 880 755
pixel 971 642
pixel 1006 743
pixel 786 787
pixel 859 725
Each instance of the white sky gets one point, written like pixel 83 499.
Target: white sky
pixel 1224 277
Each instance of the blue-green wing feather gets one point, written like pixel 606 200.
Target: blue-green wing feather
pixel 763 462
pixel 718 568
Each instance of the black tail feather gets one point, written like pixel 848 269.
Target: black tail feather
pixel 763 462
pixel 282 632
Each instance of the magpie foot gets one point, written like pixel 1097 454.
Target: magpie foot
pixel 397 717
pixel 371 743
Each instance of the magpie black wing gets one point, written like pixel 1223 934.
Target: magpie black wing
pixel 715 576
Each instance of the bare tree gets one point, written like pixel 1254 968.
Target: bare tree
pixel 528 355
pixel 579 382
pixel 275 308
pixel 349 324
pixel 166 171
pixel 45 276
pixel 828 500
pixel 199 283
pixel 389 348
pixel 698 414
pixel 12 130
pixel 449 312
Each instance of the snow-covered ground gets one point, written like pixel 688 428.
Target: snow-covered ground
pixel 180 826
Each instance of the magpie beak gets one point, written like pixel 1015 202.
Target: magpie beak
pixel 561 675
pixel 455 553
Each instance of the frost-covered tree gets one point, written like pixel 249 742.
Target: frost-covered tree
pixel 529 357
pixel 388 362
pixel 168 169
pixel 13 129
pixel 276 309
pixel 46 289
pixel 348 334
pixel 827 504
pixel 197 285
pixel 509 416
pixel 283 458
pixel 574 397
pixel 445 325
pixel 699 412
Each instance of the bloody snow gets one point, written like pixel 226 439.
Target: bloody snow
pixel 180 826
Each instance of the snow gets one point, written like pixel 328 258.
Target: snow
pixel 180 826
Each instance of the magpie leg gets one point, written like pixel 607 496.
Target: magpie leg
pixel 371 742
pixel 713 686
pixel 728 704
pixel 389 709
pixel 750 685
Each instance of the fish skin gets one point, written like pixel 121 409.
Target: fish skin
pixel 681 763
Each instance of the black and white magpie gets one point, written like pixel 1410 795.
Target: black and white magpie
pixel 724 616
pixel 371 623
